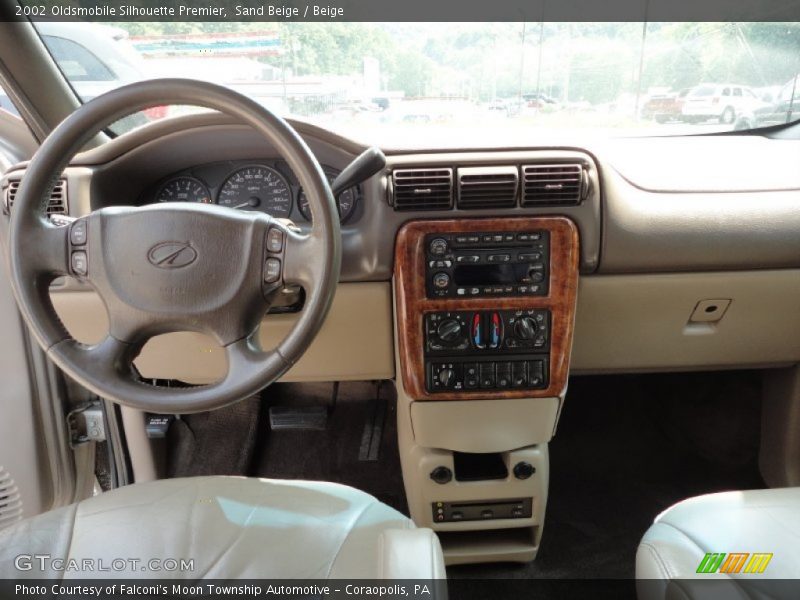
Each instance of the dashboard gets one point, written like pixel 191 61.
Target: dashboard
pixel 265 185
pixel 663 226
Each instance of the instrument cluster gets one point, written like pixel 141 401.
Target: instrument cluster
pixel 266 186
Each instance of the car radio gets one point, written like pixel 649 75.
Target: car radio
pixel 462 265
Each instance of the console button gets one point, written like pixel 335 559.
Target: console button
pixel 487 513
pixel 487 375
pixel 518 375
pixel 503 375
pixel 471 376
pixel 535 373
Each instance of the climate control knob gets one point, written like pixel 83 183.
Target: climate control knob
pixel 525 328
pixel 449 330
pixel 447 377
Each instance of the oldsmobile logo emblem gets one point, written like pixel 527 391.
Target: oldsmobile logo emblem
pixel 172 255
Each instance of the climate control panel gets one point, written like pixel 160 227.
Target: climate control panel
pixel 487 349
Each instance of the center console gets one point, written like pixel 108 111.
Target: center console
pixel 484 316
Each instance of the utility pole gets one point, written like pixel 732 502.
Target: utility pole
pixel 521 64
pixel 641 69
pixel 539 60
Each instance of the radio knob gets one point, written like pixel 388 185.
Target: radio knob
pixel 447 377
pixel 449 330
pixel 525 328
pixel 438 246
pixel 441 280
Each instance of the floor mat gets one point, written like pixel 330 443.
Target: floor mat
pixel 220 442
pixel 627 447
pixel 333 454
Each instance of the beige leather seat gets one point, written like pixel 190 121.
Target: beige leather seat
pixel 749 522
pixel 232 528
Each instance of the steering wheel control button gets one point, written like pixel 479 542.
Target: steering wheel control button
pixel 79 263
pixel 272 270
pixel 275 240
pixel 78 233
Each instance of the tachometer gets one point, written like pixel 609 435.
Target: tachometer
pixel 184 189
pixel 257 188
pixel 346 201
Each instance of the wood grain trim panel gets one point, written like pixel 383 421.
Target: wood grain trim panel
pixel 412 304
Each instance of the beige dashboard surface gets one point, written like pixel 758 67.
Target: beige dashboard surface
pixel 355 343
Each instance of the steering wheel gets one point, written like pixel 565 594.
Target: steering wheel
pixel 173 266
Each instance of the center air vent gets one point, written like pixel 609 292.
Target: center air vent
pixel 10 500
pixel 58 197
pixel 423 189
pixel 552 184
pixel 487 187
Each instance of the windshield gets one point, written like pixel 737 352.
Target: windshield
pixel 510 79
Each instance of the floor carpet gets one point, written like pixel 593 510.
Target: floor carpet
pixel 627 447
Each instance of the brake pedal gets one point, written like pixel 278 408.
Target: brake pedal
pixel 306 417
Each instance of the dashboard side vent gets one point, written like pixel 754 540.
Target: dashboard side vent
pixel 552 184
pixel 423 189
pixel 487 187
pixel 58 197
pixel 10 500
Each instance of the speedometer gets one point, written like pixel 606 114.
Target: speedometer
pixel 257 188
pixel 184 189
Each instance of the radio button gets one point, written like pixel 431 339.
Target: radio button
pixel 509 237
pixel 461 291
pixel 473 239
pixel 498 258
pixel 441 280
pixel 461 239
pixel 467 258
pixel 438 246
pixel 474 291
pixel 529 256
